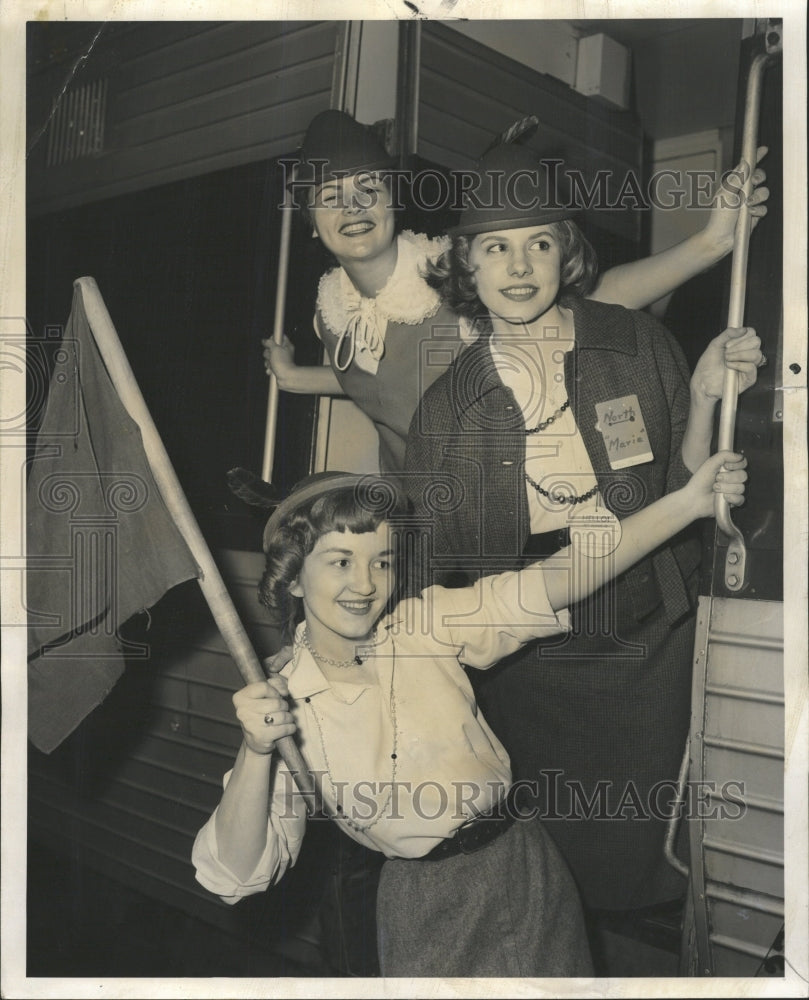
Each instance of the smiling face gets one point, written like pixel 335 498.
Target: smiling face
pixel 354 218
pixel 517 272
pixel 345 583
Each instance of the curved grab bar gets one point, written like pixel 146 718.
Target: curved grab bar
pixel 736 558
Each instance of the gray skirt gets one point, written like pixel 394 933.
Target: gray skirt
pixel 508 910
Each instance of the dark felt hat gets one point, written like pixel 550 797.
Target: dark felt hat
pixel 336 145
pixel 515 189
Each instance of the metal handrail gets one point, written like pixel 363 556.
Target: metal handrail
pixel 736 558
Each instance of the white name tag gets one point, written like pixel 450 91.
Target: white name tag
pixel 622 426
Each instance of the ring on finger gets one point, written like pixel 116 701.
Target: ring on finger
pixel 268 719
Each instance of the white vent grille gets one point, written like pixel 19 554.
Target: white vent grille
pixel 77 125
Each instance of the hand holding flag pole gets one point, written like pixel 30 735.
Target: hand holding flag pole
pixel 210 580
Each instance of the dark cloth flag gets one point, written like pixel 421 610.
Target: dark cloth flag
pixel 101 545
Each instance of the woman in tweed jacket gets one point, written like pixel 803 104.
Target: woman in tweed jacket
pixel 567 409
pixel 387 334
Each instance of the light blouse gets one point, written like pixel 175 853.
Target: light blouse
pixel 448 765
pixel 556 458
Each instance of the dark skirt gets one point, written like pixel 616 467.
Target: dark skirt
pixel 508 910
pixel 598 726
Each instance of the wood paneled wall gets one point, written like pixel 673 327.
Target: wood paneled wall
pixel 469 93
pixel 184 98
pixel 127 792
pixel 185 254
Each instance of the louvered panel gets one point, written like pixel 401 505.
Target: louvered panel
pixel 197 708
pixel 207 660
pixel 140 41
pixel 136 820
pixel 761 774
pixel 737 759
pixel 76 127
pixel 211 729
pixel 158 848
pixel 743 942
pixel 758 825
pixel 730 865
pixel 142 790
pixel 733 962
pixel 750 721
pixel 142 786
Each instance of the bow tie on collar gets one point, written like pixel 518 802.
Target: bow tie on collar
pixel 360 323
pixel 363 338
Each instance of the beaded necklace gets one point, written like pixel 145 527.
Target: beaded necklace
pixel 570 498
pixel 544 424
pixel 355 660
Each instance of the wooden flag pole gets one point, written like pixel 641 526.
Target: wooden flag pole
pixel 210 580
pixel 278 333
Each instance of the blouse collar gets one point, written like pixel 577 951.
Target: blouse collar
pixel 359 322
pixel 306 679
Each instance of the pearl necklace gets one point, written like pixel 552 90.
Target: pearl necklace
pixel 360 827
pixel 354 661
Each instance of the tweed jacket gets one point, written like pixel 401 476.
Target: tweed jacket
pixel 467 445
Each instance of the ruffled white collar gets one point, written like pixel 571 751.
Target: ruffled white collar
pixel 360 323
